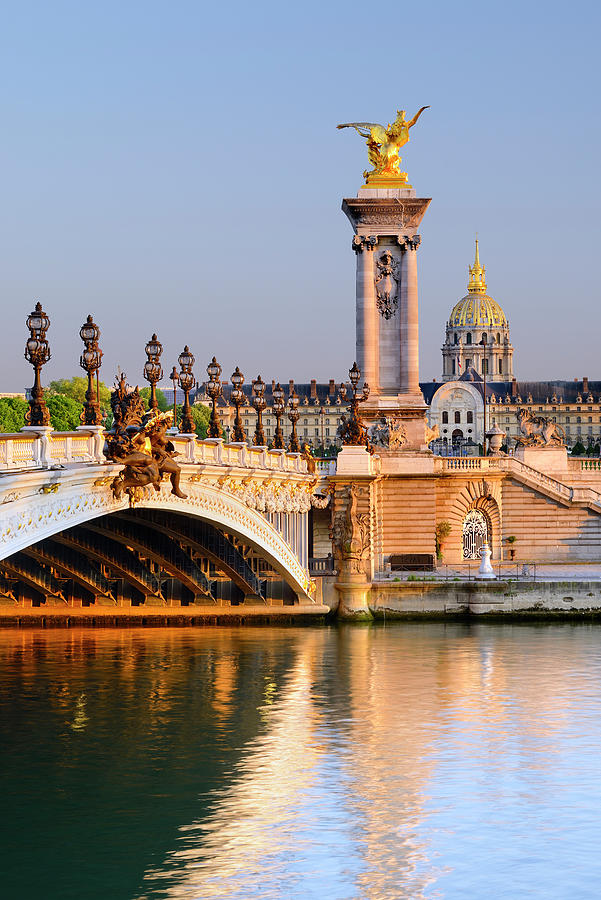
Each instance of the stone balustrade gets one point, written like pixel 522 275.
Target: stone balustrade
pixel 44 448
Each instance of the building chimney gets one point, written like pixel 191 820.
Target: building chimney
pixel 585 385
pixel 291 385
pixel 332 387
pixel 514 387
pixel 313 389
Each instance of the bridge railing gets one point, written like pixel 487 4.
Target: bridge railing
pixel 33 449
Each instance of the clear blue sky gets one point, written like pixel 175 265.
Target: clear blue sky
pixel 175 167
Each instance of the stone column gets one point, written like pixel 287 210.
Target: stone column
pixel 368 337
pixel 409 317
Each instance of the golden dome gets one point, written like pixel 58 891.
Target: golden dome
pixel 477 308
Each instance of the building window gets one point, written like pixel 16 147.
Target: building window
pixel 567 418
pixel 540 409
pixel 468 363
pixel 485 367
pixel 317 432
pixel 305 422
pixel 304 432
pixel 590 418
pixel 445 418
pixel 500 367
pixel 469 338
pixel 470 418
pixel 577 409
pixel 498 337
pixel 578 429
pixel 327 432
pixel 590 429
pixel 507 420
pixel 456 338
pixel 578 419
pixel 457 418
pixel 454 367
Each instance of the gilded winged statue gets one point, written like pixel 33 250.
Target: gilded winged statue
pixel 383 144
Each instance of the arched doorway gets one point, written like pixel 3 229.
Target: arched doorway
pixel 475 532
pixel 457 435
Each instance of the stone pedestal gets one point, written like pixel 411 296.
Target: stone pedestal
pixel 385 222
pixel 353 591
pixel 354 461
pixel 548 460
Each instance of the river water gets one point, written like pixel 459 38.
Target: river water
pixel 402 761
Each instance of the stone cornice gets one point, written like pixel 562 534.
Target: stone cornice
pixel 386 216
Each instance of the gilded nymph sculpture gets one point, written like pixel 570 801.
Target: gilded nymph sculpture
pixel 383 145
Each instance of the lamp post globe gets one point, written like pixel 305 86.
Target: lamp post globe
pixel 214 391
pixel 186 379
pixel 278 407
pixel 259 403
pixel 293 415
pixel 37 353
pixel 153 371
pixel 90 361
pixel 237 398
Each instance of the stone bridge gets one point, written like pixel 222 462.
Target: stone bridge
pixel 239 537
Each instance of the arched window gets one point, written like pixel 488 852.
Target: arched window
pixel 468 339
pixel 470 418
pixel 475 532
pixel 456 338
pixel 484 338
pixel 445 418
pixel 457 417
pixel 498 338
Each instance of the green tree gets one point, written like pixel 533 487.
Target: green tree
pixel 164 405
pixel 200 416
pixel 65 412
pixel 76 388
pixel 12 414
pixel 578 449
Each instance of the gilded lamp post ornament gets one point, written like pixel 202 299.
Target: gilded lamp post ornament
pixel 293 415
pixel 214 391
pixel 259 403
pixel 90 361
pixel 37 353
pixel 383 145
pixel 153 371
pixel 139 441
pixel 186 379
pixel 237 398
pixel 352 430
pixel 278 407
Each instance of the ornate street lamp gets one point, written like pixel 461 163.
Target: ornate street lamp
pixel 237 398
pixel 293 415
pixel 278 407
pixel 186 379
pixel 37 353
pixel 214 391
pixel 259 403
pixel 90 360
pixel 354 431
pixel 175 379
pixel 153 371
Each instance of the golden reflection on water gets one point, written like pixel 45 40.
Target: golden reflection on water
pixel 376 763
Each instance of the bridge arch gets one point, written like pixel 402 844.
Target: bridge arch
pixel 73 498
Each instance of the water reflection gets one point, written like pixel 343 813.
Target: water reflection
pixel 412 761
